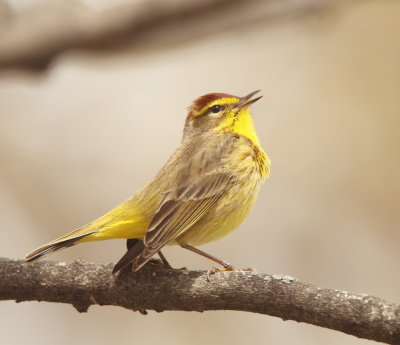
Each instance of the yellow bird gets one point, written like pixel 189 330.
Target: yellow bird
pixel 203 192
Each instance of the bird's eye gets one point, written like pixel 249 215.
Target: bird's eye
pixel 216 108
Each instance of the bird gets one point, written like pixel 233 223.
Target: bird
pixel 203 192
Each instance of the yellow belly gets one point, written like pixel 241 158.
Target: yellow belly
pixel 229 213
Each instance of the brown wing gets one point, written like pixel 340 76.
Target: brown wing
pixel 177 214
pixel 197 186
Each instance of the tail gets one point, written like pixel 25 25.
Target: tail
pixel 137 255
pixel 60 243
pixel 135 247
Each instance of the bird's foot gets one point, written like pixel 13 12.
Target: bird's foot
pixel 213 270
pixel 181 269
pixel 227 268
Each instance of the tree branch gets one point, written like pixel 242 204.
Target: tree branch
pixel 33 38
pixel 84 284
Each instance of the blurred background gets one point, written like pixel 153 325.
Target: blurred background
pixel 79 137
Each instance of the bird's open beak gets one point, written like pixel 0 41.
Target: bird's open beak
pixel 246 100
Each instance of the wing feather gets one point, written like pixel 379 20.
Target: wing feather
pixel 198 185
pixel 178 215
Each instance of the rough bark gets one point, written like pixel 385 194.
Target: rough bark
pixel 84 284
pixel 32 39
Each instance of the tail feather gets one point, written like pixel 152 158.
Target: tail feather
pixel 63 242
pixel 135 248
pixel 143 258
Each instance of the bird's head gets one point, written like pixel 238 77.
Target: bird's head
pixel 222 113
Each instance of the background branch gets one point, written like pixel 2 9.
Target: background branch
pixel 32 39
pixel 83 284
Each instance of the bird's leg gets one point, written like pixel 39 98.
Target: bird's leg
pixel 164 260
pixel 226 265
